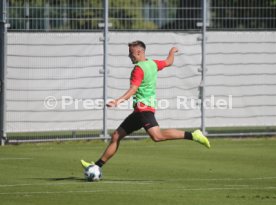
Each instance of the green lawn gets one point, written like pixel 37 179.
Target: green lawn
pixel 232 172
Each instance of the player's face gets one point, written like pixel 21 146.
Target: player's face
pixel 134 54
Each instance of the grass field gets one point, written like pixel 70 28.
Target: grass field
pixel 233 171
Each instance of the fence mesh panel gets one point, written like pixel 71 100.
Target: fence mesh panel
pixel 86 15
pixel 55 49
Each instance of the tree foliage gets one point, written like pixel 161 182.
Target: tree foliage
pixel 241 14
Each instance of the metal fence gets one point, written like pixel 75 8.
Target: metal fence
pixel 138 15
pixel 178 16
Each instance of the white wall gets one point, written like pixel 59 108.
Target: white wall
pixel 239 64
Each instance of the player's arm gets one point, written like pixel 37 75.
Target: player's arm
pixel 131 91
pixel 137 76
pixel 170 58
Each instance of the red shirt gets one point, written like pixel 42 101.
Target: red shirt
pixel 136 79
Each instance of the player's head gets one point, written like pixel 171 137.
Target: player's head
pixel 136 51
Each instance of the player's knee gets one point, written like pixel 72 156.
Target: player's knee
pixel 157 138
pixel 115 137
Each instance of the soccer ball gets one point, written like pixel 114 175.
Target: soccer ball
pixel 93 173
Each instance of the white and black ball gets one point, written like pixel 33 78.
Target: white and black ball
pixel 93 173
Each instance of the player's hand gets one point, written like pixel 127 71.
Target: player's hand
pixel 112 103
pixel 170 58
pixel 174 50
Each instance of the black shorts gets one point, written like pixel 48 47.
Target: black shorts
pixel 137 120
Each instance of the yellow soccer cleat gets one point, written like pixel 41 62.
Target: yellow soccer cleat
pixel 86 164
pixel 200 138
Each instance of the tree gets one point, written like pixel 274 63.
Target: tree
pixel 75 15
pixel 188 14
pixel 127 15
pixel 226 14
pixel 244 14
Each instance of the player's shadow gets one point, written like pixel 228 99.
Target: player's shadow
pixel 106 180
pixel 133 180
pixel 66 179
pixel 72 178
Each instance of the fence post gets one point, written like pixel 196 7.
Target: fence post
pixel 203 64
pixel 105 134
pixel 27 14
pixel 2 69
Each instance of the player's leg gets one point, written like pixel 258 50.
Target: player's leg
pixel 158 135
pixel 110 150
pixel 151 126
pixel 112 147
pixel 130 124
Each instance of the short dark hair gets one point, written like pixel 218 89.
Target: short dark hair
pixel 137 43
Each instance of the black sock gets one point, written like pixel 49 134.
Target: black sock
pixel 188 136
pixel 100 162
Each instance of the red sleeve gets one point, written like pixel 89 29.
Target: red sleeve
pixel 137 76
pixel 161 64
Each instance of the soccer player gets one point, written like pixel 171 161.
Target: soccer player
pixel 143 88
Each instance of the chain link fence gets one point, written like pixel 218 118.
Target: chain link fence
pixel 50 53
